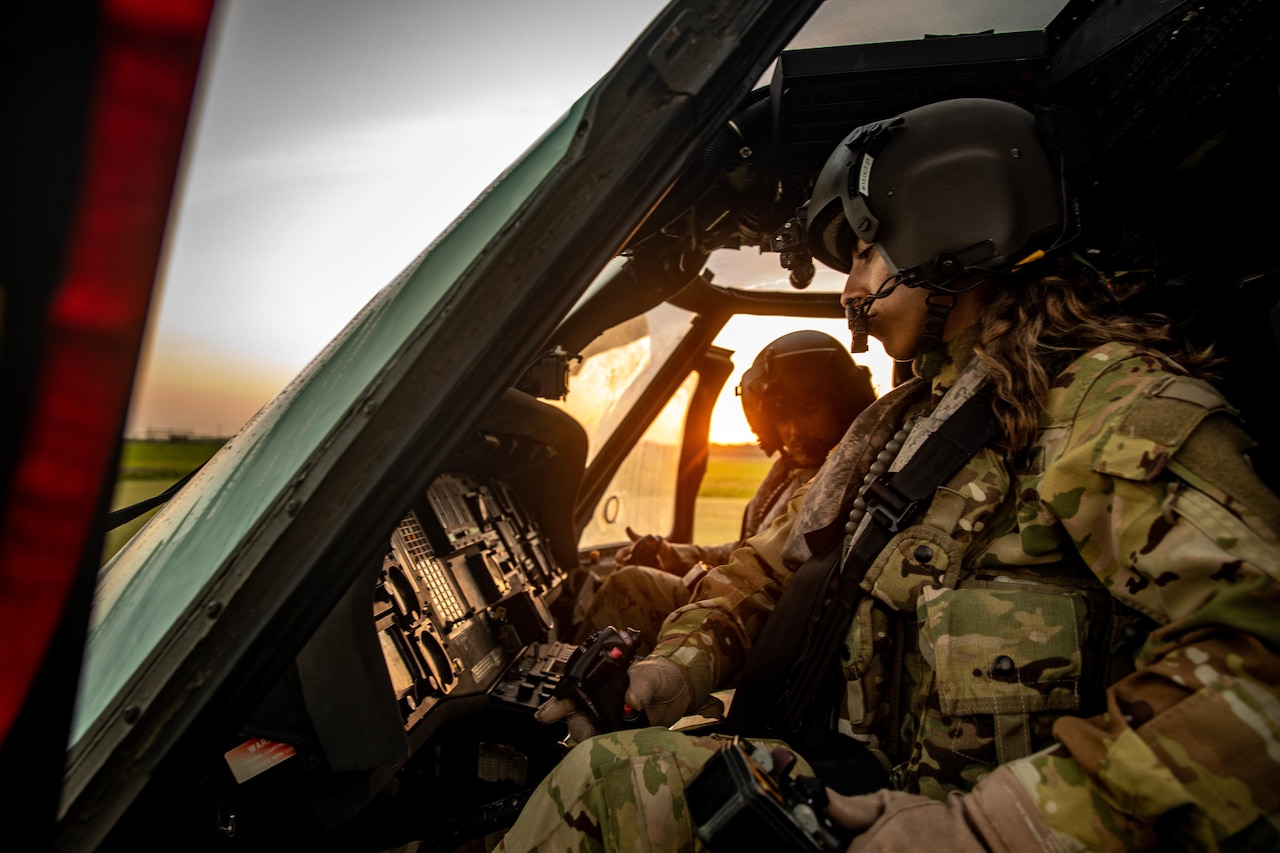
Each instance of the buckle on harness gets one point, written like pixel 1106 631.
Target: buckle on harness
pixel 886 505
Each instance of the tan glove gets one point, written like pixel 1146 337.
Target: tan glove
pixel 657 686
pixel 997 815
pixel 654 685
pixel 581 725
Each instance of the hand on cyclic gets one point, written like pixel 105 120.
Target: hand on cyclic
pixel 580 723
pixel 654 685
pixel 657 687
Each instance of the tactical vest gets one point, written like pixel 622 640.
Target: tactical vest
pixel 961 657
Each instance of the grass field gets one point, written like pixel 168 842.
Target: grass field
pixel 150 467
pixel 152 460
pixel 733 475
pixel 147 468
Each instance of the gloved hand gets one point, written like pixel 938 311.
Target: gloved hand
pixel 997 815
pixel 581 724
pixel 655 686
pixel 648 550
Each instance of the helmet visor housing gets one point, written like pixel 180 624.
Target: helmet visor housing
pixel 949 186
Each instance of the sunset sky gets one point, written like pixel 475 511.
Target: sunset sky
pixel 336 139
pixel 334 142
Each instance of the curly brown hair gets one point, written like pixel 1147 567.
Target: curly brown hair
pixel 1041 318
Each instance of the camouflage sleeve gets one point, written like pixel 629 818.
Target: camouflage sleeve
pixel 712 555
pixel 710 637
pixel 1155 493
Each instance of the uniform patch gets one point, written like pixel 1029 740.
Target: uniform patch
pixel 1155 426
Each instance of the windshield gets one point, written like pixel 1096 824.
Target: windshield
pixel 761 272
pixel 157 575
pixel 617 367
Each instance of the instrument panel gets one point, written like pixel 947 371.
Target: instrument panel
pixel 420 685
pixel 463 590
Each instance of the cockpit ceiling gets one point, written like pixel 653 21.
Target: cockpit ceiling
pixel 1169 94
pixel 841 22
pixel 1143 72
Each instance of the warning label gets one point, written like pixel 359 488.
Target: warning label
pixel 254 756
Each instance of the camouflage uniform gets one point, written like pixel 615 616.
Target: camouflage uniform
pixel 641 597
pixel 1097 615
pixel 625 791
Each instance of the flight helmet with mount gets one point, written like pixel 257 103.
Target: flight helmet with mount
pixel 942 191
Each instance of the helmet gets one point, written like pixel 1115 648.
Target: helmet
pixel 795 369
pixel 939 189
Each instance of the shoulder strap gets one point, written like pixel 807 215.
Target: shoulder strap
pixel 797 645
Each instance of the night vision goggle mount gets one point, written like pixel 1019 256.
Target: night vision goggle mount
pixel 792 245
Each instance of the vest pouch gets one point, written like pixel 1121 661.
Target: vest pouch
pixel 920 557
pixel 1010 650
pixel 864 660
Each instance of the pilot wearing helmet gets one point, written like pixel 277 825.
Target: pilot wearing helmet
pixel 1068 638
pixel 799 396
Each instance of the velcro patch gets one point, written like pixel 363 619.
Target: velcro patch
pixel 1155 426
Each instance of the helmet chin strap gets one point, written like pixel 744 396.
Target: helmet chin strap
pixel 929 348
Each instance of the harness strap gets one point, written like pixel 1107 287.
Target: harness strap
pixel 797 647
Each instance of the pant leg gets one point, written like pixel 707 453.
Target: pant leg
pixel 619 791
pixel 634 597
